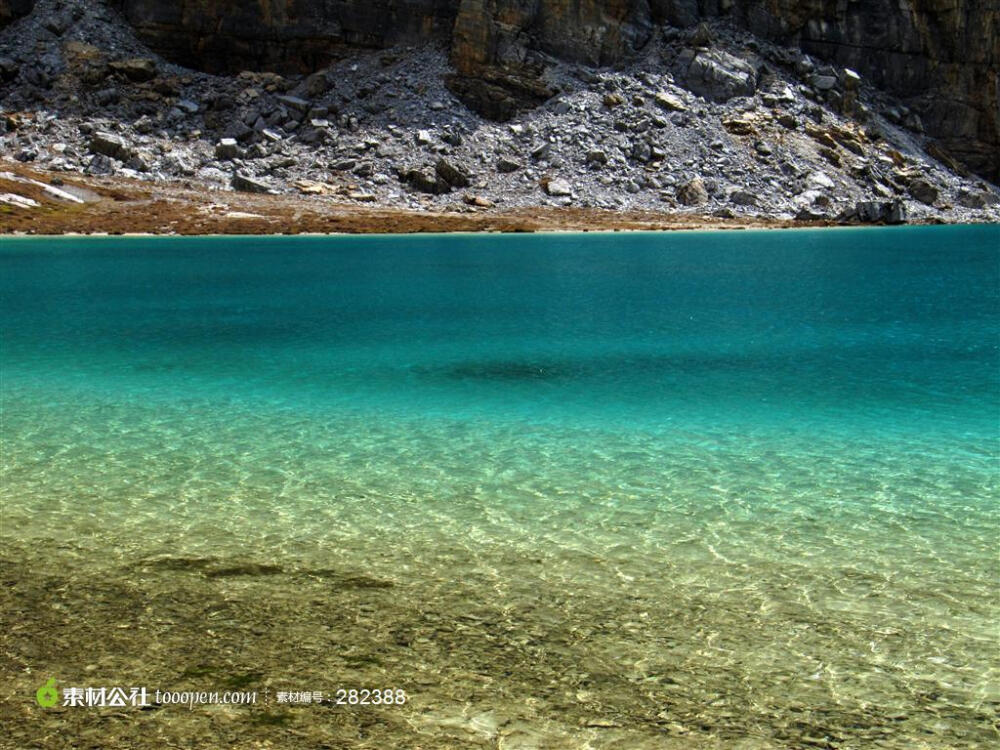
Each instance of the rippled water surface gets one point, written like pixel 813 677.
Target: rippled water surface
pixel 647 490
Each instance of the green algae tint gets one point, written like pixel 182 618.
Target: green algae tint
pixel 686 490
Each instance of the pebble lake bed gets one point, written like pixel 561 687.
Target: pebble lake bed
pixel 636 490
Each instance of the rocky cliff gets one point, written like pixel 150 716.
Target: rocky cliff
pixel 710 121
pixel 940 56
pixel 296 35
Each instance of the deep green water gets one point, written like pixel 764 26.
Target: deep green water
pixel 805 422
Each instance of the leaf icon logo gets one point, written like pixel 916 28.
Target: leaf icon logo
pixel 47 695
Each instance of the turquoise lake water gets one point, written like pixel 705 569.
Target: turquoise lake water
pixel 802 427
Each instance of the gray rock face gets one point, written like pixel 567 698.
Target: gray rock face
pixel 290 36
pixel 876 212
pixel 388 128
pixel 940 55
pixel 716 75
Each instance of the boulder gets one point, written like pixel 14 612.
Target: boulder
pixel 139 163
pixel 227 148
pixel 250 185
pixel 8 69
pixel 669 102
pixel 454 175
pixel 111 145
pixel 137 69
pixel 557 187
pixel 788 121
pixel 693 192
pixel 506 166
pixel 295 103
pixel 924 191
pixel 823 83
pixel 716 75
pixel 971 199
pixel 425 181
pixel 541 151
pixel 499 93
pixel 851 80
pixel 477 201
pixel 100 164
pixel 878 212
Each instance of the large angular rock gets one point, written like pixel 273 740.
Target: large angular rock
pixel 426 181
pixel 111 145
pixel 506 166
pixel 456 176
pixel 693 192
pixel 924 191
pixel 878 212
pixel 557 187
pixel 135 68
pixel 715 75
pixel 499 93
pixel 250 185
pixel 227 148
pixel 8 69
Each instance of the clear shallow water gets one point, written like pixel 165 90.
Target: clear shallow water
pixel 785 439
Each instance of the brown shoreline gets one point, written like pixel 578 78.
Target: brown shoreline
pixel 120 206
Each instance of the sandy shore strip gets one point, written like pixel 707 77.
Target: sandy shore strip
pixel 121 206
